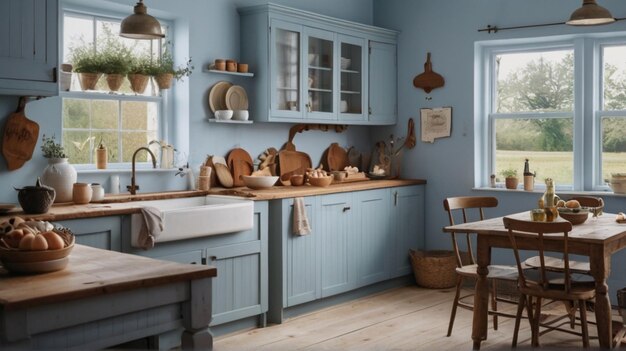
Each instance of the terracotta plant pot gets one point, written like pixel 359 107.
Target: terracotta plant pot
pixel 164 80
pixel 88 81
pixel 114 81
pixel 138 82
pixel 511 182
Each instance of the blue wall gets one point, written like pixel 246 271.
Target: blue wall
pixel 448 29
pixel 204 30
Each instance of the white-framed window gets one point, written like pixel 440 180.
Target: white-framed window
pixel 561 103
pixel 121 120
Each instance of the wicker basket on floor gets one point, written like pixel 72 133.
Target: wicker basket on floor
pixel 434 269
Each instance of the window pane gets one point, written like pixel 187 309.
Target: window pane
pixel 138 115
pixel 76 113
pixel 614 77
pixel 77 145
pixel 76 30
pixel 535 81
pixel 613 146
pixel 131 141
pixel 547 143
pixel 104 114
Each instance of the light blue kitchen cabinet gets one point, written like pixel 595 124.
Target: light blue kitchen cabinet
pixel 310 67
pixel 357 239
pixel 28 47
pixel 407 216
pixel 102 232
pixel 337 239
pixel 383 81
pixel 240 288
pixel 376 241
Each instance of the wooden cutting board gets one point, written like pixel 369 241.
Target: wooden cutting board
pixel 20 137
pixel 240 164
pixel 223 175
pixel 337 158
pixel 294 162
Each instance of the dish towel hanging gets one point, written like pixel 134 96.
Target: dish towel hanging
pixel 301 224
pixel 151 227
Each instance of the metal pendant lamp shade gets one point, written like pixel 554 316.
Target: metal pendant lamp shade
pixel 140 25
pixel 590 14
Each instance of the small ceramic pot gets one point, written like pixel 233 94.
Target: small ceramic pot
pixel 97 192
pixel 81 193
pixel 220 64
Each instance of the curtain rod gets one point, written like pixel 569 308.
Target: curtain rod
pixel 494 29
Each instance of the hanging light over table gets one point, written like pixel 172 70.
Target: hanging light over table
pixel 140 25
pixel 590 14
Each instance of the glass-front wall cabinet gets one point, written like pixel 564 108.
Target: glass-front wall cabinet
pixel 286 78
pixel 352 82
pixel 317 74
pixel 320 99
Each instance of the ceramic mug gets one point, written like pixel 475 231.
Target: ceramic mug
pixel 231 66
pixel 220 64
pixel 81 193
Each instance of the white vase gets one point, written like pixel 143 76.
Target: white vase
pixel 60 175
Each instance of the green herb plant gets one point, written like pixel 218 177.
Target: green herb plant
pixel 52 149
pixel 509 173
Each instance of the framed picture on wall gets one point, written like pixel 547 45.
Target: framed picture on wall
pixel 435 123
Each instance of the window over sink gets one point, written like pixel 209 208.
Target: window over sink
pixel 122 120
pixel 560 102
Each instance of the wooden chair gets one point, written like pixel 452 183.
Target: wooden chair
pixel 466 269
pixel 555 264
pixel 530 236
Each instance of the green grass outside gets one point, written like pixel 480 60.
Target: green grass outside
pixel 556 165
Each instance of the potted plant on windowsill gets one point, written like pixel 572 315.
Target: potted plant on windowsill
pixel 165 71
pixel 116 60
pixel 87 62
pixel 511 179
pixel 139 73
pixel 58 174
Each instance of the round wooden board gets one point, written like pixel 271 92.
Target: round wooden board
pixel 240 164
pixel 217 96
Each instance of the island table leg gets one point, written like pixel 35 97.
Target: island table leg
pixel 197 315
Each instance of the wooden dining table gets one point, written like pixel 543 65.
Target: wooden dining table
pixel 597 238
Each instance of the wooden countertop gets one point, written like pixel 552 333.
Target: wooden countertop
pixel 93 272
pixel 283 192
pixel 123 204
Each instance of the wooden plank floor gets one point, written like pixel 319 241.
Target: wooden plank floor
pixel 408 318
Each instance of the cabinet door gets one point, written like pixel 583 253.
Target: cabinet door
pixel 320 64
pixel 28 43
pixel 102 232
pixel 238 285
pixel 336 230
pixel 285 67
pixel 382 83
pixel 352 78
pixel 375 237
pixel 303 279
pixel 408 216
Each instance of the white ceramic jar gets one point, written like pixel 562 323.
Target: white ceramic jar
pixel 61 176
pixel 97 192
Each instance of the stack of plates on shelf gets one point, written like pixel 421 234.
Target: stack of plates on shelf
pixel 226 96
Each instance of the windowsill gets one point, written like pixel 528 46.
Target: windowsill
pixel 125 170
pixel 564 192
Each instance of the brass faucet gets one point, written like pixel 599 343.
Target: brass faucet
pixel 133 187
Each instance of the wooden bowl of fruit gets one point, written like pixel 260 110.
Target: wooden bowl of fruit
pixel 34 246
pixel 572 212
pixel 319 177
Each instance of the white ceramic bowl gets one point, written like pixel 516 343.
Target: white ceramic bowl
pixel 240 115
pixel 259 182
pixel 223 114
pixel 345 63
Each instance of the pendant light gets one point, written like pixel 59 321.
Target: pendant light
pixel 590 14
pixel 140 25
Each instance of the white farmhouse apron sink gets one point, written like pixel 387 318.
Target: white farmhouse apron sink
pixel 192 217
